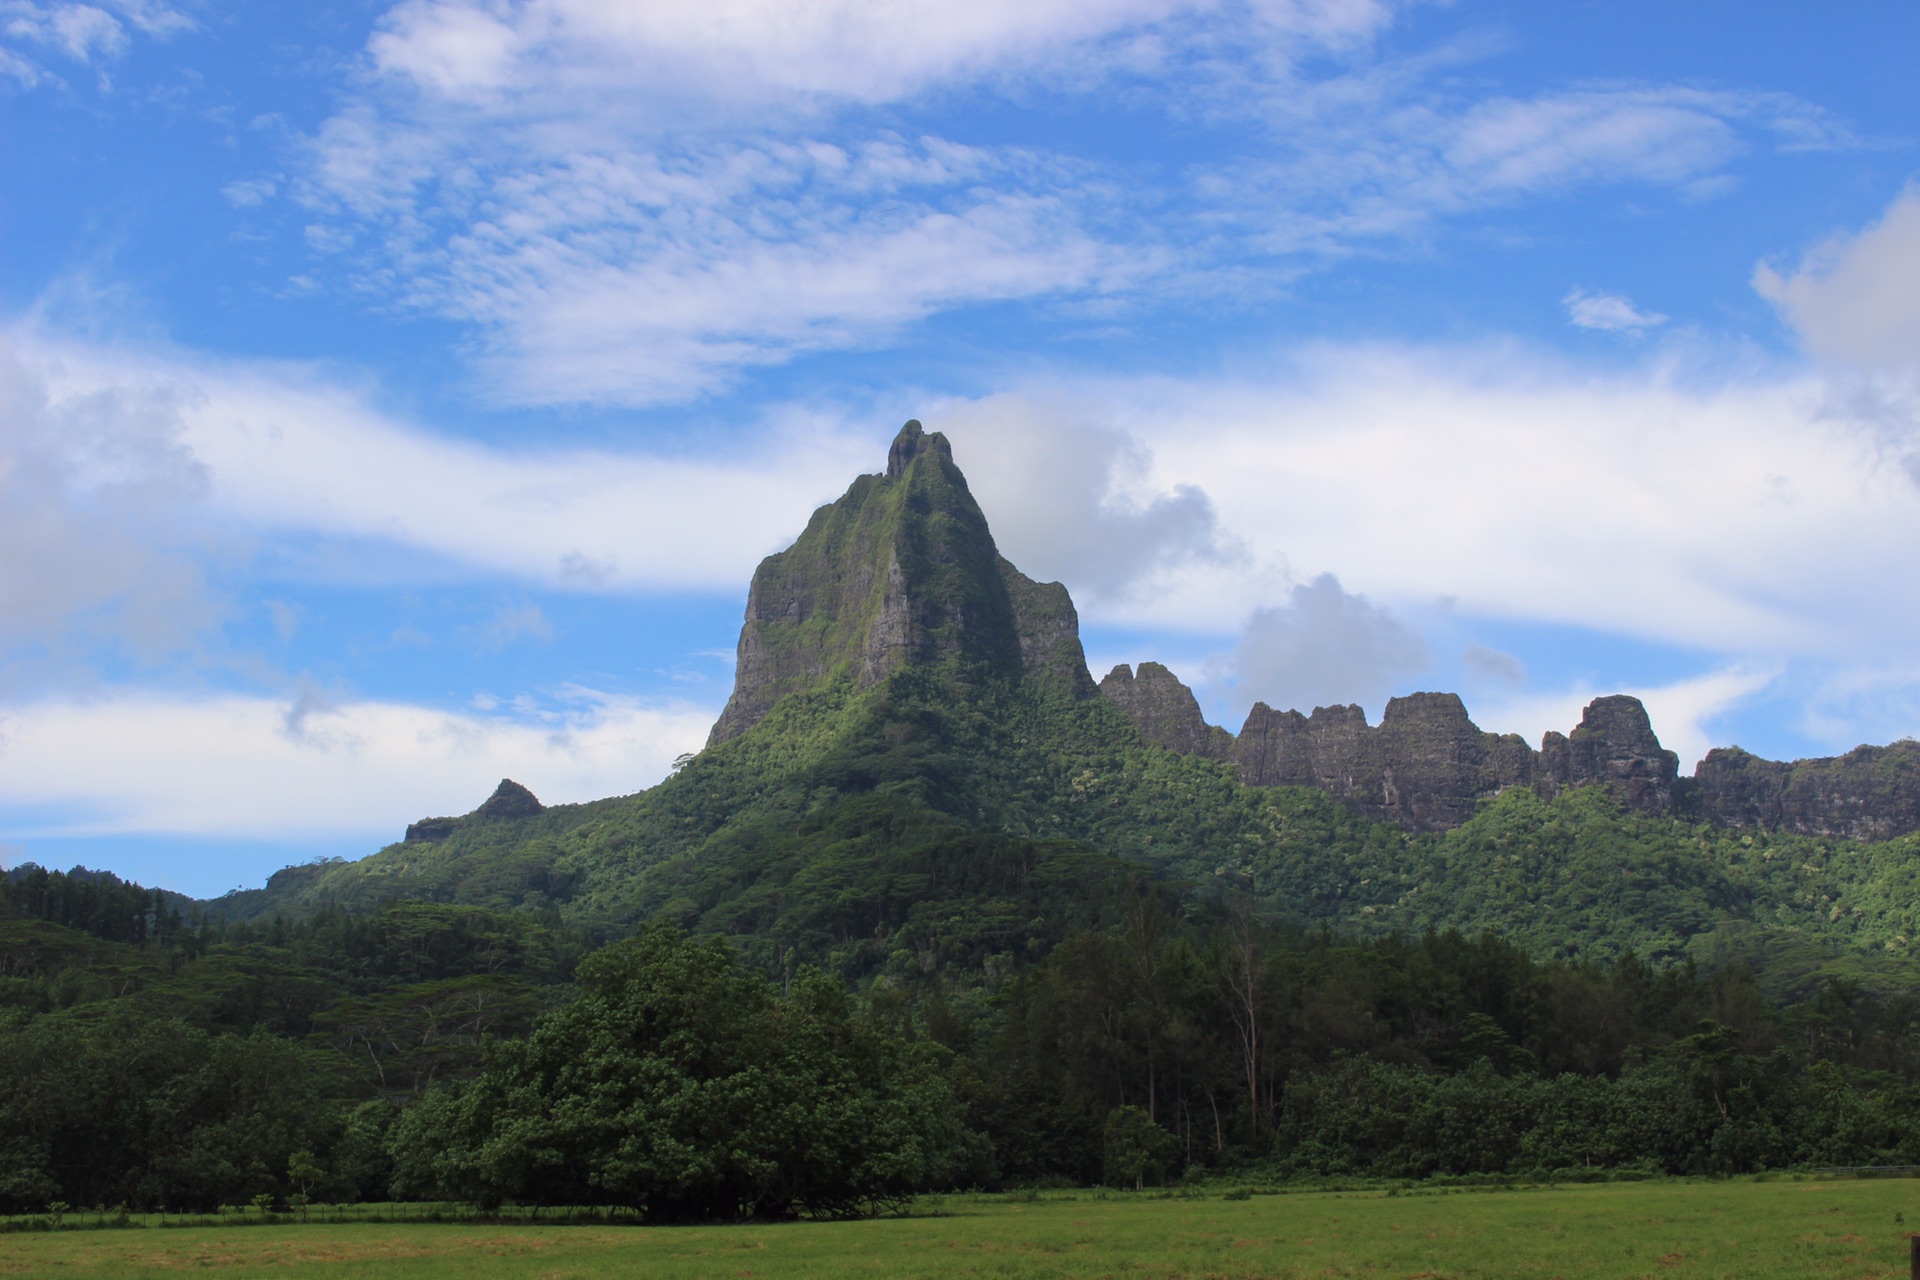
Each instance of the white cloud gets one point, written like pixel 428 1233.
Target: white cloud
pixel 1740 511
pixel 278 451
pixel 633 203
pixel 97 553
pixel 249 193
pixel 79 31
pixel 1608 312
pixel 1659 135
pixel 1067 501
pixel 1360 159
pixel 83 33
pixel 1733 510
pixel 1856 298
pixel 134 761
pixel 866 51
pixel 618 274
pixel 1323 647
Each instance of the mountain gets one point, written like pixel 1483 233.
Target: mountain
pixel 1427 767
pixel 899 572
pixel 915 770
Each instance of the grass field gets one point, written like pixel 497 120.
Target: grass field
pixel 1749 1230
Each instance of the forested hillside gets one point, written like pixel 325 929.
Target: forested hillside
pixel 434 1051
pixel 945 906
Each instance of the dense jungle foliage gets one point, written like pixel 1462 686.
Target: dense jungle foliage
pixel 965 926
pixel 432 1050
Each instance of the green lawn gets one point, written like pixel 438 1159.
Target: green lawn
pixel 1748 1230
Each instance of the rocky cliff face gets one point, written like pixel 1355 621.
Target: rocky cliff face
pixel 1614 744
pixel 901 570
pixel 1870 793
pixel 1424 767
pixel 1165 710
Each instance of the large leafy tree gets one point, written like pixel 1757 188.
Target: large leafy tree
pixel 682 1084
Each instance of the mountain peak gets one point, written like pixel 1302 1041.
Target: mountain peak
pixel 900 571
pixel 913 441
pixel 510 800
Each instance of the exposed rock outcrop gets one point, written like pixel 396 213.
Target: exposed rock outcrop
pixel 509 800
pixel 1165 710
pixel 1424 767
pixel 901 570
pixel 1049 630
pixel 1613 743
pixel 1870 793
pixel 430 830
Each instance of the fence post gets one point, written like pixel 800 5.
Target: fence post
pixel 1913 1256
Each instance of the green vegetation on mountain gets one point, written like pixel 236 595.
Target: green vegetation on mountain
pixel 951 919
pixel 964 806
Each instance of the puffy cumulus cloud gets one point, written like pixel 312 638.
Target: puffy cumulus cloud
pixel 1856 298
pixel 1608 312
pixel 1323 647
pixel 100 554
pixel 1068 500
pixel 1737 510
pixel 838 50
pixel 287 459
pixel 143 762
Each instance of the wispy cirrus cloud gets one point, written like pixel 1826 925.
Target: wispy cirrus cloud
pixel 77 34
pixel 1379 158
pixel 629 276
pixel 638 203
pixel 758 51
pixel 1608 312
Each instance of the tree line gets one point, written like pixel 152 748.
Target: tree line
pixel 431 1051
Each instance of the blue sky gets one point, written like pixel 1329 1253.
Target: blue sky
pixel 397 397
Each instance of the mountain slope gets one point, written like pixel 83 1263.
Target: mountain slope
pixel 915 763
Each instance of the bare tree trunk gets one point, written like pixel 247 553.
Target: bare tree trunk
pixel 1243 1004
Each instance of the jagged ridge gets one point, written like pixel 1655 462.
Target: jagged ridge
pixel 1426 766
